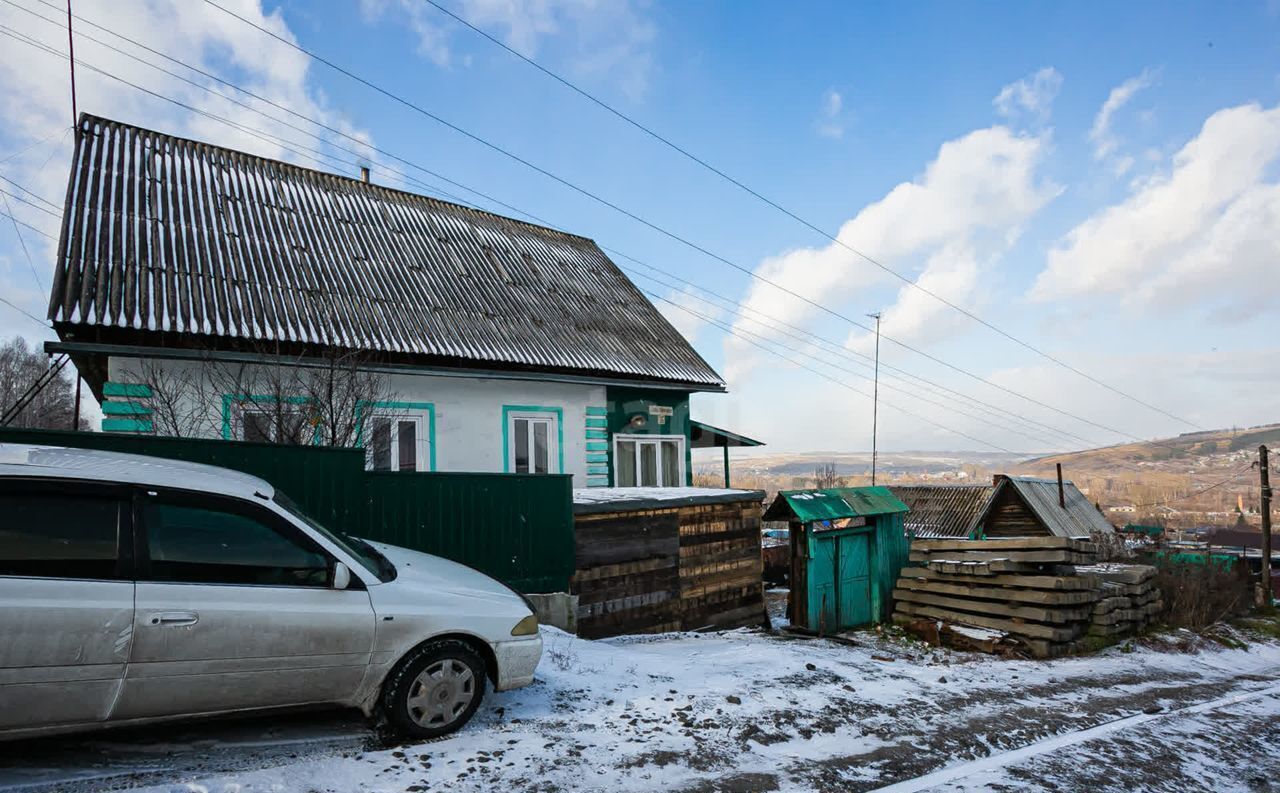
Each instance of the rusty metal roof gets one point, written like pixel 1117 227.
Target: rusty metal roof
pixel 943 511
pixel 163 234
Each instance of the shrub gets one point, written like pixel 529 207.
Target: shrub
pixel 1199 592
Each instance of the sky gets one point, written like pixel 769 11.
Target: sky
pixel 1065 214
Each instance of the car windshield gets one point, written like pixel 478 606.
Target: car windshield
pixel 362 551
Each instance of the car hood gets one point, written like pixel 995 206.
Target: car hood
pixel 435 574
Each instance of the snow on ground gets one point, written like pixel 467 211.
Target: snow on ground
pixel 747 711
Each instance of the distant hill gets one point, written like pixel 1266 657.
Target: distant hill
pixel 1195 449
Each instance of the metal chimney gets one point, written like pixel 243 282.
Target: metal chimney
pixel 364 174
pixel 1062 494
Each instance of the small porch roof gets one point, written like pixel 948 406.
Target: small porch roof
pixel 705 436
pixel 833 503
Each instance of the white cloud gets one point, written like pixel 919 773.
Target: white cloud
pixel 690 314
pixel 1203 233
pixel 1031 95
pixel 965 207
pixel 34 102
pixel 830 124
pixel 603 40
pixel 1105 141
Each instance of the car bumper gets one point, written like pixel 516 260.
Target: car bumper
pixel 517 660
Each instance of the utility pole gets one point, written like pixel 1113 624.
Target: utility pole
pixel 71 59
pixel 875 400
pixel 1265 477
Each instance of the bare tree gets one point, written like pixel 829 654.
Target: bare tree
pixel 825 476
pixel 53 407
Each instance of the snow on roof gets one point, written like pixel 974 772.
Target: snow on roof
pixel 20 459
pixel 621 499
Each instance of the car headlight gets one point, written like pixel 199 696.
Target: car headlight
pixel 526 627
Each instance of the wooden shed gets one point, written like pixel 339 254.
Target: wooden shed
pixel 848 545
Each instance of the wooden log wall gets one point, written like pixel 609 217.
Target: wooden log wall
pixel 1010 517
pixel 655 570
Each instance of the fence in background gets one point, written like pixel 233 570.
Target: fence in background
pixel 517 528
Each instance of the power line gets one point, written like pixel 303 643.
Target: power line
pixel 28 202
pixel 282 141
pixel 822 374
pixel 812 227
pixel 39 198
pixel 22 241
pixel 628 213
pixel 24 312
pixel 26 149
pixel 29 226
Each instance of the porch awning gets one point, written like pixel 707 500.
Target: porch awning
pixel 705 436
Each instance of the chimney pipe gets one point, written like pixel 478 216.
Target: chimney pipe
pixel 364 174
pixel 1062 494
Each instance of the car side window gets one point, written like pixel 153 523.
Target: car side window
pixel 58 533
pixel 199 543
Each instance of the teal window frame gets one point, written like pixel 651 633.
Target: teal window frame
pixel 231 400
pixel 507 410
pixel 373 406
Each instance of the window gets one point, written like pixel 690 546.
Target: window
pixel 648 460
pixel 397 440
pixel 55 534
pixel 533 442
pixel 195 543
pixel 269 421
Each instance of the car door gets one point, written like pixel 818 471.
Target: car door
pixel 66 600
pixel 235 610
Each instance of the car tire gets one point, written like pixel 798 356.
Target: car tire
pixel 434 690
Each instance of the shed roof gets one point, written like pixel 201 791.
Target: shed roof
pixel 215 247
pixel 942 511
pixel 705 436
pixel 1080 518
pixel 833 503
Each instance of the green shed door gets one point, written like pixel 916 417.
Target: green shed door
pixel 854 579
pixel 823 599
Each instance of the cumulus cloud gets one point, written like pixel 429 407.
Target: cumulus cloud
pixel 1105 142
pixel 1202 233
pixel 610 40
pixel 966 206
pixel 1032 95
pixel 830 124
pixel 34 102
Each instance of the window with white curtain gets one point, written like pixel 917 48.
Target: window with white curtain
pixel 396 440
pixel 648 460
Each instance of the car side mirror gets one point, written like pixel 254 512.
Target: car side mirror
pixel 341 576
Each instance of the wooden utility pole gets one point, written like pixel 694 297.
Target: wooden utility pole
pixel 875 400
pixel 1265 477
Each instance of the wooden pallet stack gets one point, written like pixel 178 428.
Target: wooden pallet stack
pixel 1129 602
pixel 1045 593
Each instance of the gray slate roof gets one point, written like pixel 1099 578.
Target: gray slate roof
pixel 943 511
pixel 166 234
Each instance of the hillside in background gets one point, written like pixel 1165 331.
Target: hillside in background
pixel 1197 449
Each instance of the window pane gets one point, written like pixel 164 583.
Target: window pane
pixel 626 454
pixel 257 427
pixel 193 544
pixel 671 464
pixel 540 452
pixel 59 536
pixel 408 445
pixel 648 464
pixel 380 444
pixel 521 446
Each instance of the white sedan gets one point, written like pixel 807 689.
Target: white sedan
pixel 135 589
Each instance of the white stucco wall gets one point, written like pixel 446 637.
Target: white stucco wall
pixel 468 412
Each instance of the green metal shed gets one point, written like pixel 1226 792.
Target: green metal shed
pixel 848 545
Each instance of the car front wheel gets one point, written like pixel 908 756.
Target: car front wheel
pixel 434 690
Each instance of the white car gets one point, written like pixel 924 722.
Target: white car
pixel 135 589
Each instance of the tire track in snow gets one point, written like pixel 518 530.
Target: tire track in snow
pixel 1005 759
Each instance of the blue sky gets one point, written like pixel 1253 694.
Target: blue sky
pixel 1098 180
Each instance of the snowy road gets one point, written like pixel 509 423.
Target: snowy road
pixel 748 712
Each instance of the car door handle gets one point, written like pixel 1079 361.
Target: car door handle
pixel 173 618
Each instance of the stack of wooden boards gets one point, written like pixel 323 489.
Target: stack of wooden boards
pixel 1045 593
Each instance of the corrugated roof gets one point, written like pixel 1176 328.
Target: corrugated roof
pixel 1080 517
pixel 832 503
pixel 943 511
pixel 166 234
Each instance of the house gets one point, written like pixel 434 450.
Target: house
pixel 200 283
pixel 1024 506
pixel 1011 506
pixel 942 511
